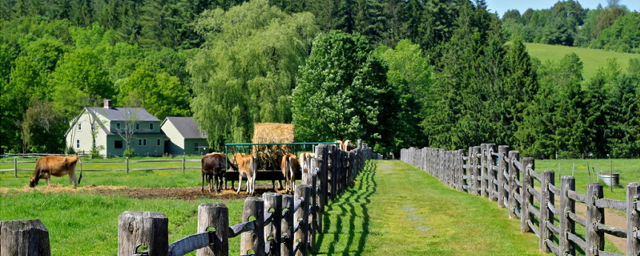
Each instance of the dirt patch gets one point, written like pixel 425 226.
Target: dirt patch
pixel 415 218
pixel 183 193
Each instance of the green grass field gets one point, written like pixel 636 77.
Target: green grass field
pixel 629 170
pixel 400 210
pixel 592 59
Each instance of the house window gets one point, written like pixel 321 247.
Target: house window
pixel 195 147
pixel 77 143
pixel 157 142
pixel 142 142
pixel 137 127
pixel 139 142
pixel 151 126
pixel 118 144
pixel 118 126
pixel 79 126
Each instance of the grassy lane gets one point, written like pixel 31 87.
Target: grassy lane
pixel 82 224
pixel 395 209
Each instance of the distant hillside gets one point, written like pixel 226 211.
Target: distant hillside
pixel 591 58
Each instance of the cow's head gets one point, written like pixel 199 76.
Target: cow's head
pixel 33 181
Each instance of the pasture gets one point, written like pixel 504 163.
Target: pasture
pixel 592 59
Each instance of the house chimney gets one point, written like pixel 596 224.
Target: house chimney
pixel 107 103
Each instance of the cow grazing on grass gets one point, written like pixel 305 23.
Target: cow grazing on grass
pixel 213 167
pixel 305 161
pixel 290 166
pixel 247 167
pixel 57 166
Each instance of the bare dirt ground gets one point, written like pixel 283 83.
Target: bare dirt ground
pixel 183 193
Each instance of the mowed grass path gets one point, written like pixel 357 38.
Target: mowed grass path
pixel 396 209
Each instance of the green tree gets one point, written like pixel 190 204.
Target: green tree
pixel 158 92
pixel 78 81
pixel 246 69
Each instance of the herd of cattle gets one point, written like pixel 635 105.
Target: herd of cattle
pixel 213 168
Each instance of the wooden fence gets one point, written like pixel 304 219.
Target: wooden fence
pixel 125 162
pixel 500 175
pixel 275 224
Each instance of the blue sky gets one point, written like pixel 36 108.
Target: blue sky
pixel 502 6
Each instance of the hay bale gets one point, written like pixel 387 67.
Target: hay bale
pixel 270 156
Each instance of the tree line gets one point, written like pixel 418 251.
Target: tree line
pixel 395 73
pixel 567 23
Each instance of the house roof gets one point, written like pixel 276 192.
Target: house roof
pixel 186 126
pixel 121 114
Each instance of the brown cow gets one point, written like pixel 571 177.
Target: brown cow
pixel 247 167
pixel 347 145
pixel 213 167
pixel 290 166
pixel 57 166
pixel 305 161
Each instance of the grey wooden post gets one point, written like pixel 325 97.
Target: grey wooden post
pixel 546 216
pixel 253 240
pixel 272 232
pixel 302 218
pixel 127 163
pixel 322 152
pixel 595 237
pixel 567 205
pixel 502 169
pixel 491 174
pixel 148 229
pixel 470 174
pixel 633 218
pixel 24 237
pixel 287 225
pixel 460 169
pixel 15 167
pixel 214 215
pixel 336 162
pixel 183 165
pixel 513 187
pixel 311 179
pixel 527 198
pixel 476 171
pixel 483 172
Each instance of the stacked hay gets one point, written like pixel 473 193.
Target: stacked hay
pixel 269 156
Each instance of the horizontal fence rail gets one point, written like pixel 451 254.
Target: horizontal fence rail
pixel 275 224
pixel 530 195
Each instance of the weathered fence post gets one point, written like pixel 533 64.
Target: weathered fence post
pixel 24 237
pixel 503 170
pixel 15 167
pixel 310 179
pixel 183 164
pixel 491 173
pixel 470 164
pixel 302 218
pixel 214 215
pixel 567 205
pixel 137 229
pixel 513 187
pixel 460 168
pixel 633 218
pixel 337 164
pixel 252 242
pixel 527 198
pixel 287 225
pixel 477 169
pixel 595 237
pixel 483 172
pixel 322 152
pixel 127 163
pixel 272 232
pixel 546 216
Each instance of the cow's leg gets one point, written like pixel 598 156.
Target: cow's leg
pixel 280 182
pixel 202 187
pixel 239 183
pixel 73 179
pixel 293 180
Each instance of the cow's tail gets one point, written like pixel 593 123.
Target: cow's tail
pixel 80 179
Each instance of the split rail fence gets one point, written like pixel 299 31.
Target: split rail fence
pixel 500 175
pixel 275 224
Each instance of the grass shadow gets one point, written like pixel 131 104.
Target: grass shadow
pixel 342 214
